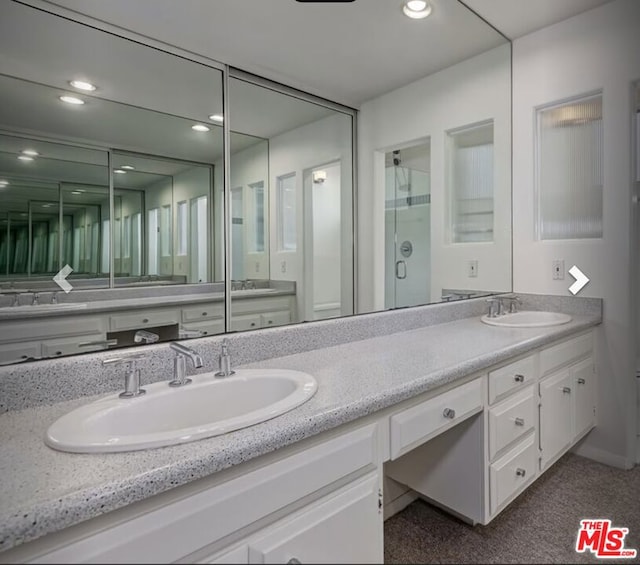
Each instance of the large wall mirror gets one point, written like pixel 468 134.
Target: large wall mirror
pixel 131 193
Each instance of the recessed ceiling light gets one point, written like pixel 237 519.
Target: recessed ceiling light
pixel 82 85
pixel 416 9
pixel 4 182
pixel 47 205
pixel 216 118
pixel 76 192
pixel 25 158
pixel 30 152
pixel 72 100
pixel 128 167
pixel 200 127
pixel 120 171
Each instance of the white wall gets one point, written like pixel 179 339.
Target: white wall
pixel 472 91
pixel 595 50
pixel 299 151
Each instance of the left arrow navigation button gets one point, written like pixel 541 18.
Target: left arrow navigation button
pixel 61 276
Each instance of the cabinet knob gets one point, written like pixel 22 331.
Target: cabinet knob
pixel 581 381
pixel 449 413
pixel 270 322
pixel 566 390
pixel 519 378
pixel 204 313
pixel 519 421
pixel 145 320
pixel 520 472
pixel 294 561
pixel 253 324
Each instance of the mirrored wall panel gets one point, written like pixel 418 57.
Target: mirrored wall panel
pixel 291 180
pixel 111 190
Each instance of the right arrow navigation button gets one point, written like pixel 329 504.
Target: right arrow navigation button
pixel 581 280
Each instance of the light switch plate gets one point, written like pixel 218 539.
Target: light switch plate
pixel 472 268
pixel 557 269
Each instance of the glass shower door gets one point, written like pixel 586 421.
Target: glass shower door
pixel 407 231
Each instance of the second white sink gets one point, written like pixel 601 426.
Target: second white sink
pixel 207 407
pixel 528 319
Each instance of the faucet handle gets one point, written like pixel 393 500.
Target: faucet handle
pixel 224 361
pixel 131 376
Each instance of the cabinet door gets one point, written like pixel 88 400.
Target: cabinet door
pixel 584 385
pixel 556 414
pixel 344 527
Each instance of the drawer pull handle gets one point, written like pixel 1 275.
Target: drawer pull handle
pixel 204 313
pixel 294 561
pixel 270 322
pixel 519 378
pixel 566 390
pixel 145 320
pixel 520 472
pixel 449 413
pixel 519 421
pixel 581 381
pixel 253 324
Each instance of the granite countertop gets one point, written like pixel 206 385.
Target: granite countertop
pixel 44 490
pixel 126 304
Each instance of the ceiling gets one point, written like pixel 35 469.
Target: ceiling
pixel 347 52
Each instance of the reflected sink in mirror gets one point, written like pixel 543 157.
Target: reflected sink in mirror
pixel 528 319
pixel 29 310
pixel 207 407
pixel 250 291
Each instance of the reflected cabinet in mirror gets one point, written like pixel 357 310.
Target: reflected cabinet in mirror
pixel 133 192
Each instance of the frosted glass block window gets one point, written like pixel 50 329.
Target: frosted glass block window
pixel 569 169
pixel 126 237
pixel 470 183
pixel 117 239
pixel 104 263
pixel 287 212
pixel 182 228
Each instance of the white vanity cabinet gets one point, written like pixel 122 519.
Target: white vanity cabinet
pixel 249 313
pixel 319 500
pixel 537 407
pixel 567 401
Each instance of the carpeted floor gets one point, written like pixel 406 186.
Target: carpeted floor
pixel 540 526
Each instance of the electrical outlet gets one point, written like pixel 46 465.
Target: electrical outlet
pixel 283 266
pixel 257 266
pixel 472 268
pixel 557 269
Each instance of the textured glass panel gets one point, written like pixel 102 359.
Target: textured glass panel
pixel 471 183
pixel 569 183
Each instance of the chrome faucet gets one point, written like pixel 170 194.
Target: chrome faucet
pixel 495 307
pixel 131 376
pixel 144 336
pixel 224 361
pixel 513 303
pixel 54 297
pixel 180 363
pixel 36 299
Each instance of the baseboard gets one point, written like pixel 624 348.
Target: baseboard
pixel 399 504
pixel 602 456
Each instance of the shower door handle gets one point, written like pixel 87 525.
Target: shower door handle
pixel 401 270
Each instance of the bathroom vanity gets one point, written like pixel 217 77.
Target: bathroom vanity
pixel 308 485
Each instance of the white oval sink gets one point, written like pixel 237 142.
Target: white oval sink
pixel 207 407
pixel 528 319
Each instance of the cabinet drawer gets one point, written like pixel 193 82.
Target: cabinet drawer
pixel 143 319
pixel 212 327
pixel 13 352
pixel 344 527
pixel 510 378
pixel 201 313
pixel 566 352
pixel 275 319
pixel 511 419
pixel 71 345
pixel 420 423
pixel 203 518
pixel 512 472
pixel 248 322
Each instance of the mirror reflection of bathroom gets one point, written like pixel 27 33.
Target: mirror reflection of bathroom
pixel 408 226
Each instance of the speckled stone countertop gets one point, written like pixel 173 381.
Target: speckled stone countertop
pixel 127 304
pixel 44 490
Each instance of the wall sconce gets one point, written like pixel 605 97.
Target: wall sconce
pixel 319 176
